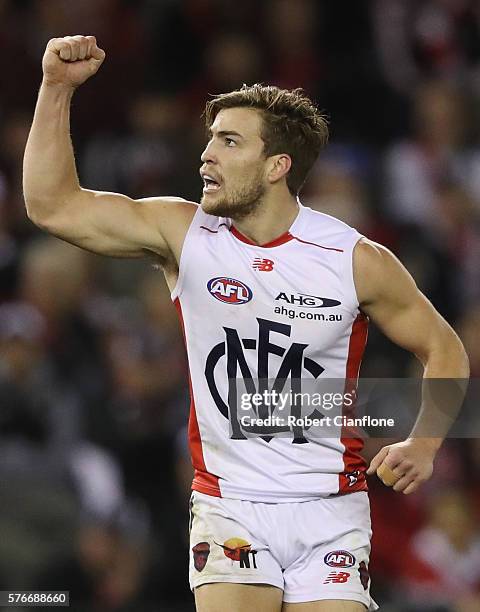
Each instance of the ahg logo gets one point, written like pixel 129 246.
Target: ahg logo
pixel 307 301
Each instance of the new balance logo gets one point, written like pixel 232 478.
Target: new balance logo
pixel 262 265
pixel 337 578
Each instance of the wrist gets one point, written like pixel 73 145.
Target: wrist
pixel 63 89
pixel 430 444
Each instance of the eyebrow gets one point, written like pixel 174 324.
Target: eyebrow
pixel 224 133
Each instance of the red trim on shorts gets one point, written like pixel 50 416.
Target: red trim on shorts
pixel 203 481
pixel 286 237
pixel 350 436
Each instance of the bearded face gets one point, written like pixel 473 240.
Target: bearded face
pixel 233 169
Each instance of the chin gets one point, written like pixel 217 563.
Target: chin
pixel 213 206
pixel 234 204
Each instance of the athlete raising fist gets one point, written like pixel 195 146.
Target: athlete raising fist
pixel 280 514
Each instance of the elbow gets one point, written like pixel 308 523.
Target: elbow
pixel 36 212
pixel 459 355
pixel 449 357
pixel 465 361
pixel 43 212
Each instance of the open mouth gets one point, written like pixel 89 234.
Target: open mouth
pixel 210 185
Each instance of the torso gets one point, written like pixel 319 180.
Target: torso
pixel 282 311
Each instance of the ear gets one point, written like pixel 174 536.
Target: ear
pixel 278 167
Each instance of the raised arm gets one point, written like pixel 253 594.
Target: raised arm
pixel 389 296
pixel 105 223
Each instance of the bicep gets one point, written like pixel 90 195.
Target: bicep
pixel 116 225
pixel 390 297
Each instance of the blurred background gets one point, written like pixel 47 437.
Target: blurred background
pixel 94 465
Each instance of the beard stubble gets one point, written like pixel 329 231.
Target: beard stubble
pixel 238 204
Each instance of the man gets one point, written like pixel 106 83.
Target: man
pixel 278 523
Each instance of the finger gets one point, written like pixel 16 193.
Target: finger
pixel 65 52
pixel 387 475
pixel 81 47
pixel 403 482
pixel 377 460
pixel 98 54
pixel 56 44
pixel 394 460
pixel 83 50
pixel 92 43
pixel 412 487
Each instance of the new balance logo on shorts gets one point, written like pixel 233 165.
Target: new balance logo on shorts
pixel 337 578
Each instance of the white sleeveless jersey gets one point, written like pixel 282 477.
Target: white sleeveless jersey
pixel 282 310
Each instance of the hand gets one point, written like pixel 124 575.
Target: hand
pixel 411 461
pixel 71 60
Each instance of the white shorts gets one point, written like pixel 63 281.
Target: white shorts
pixel 311 550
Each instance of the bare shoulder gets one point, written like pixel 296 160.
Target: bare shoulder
pixel 378 273
pixel 173 216
pixel 178 207
pixel 367 252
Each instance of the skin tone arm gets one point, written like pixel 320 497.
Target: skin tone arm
pixel 105 223
pixel 389 296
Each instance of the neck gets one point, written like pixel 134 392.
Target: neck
pixel 274 216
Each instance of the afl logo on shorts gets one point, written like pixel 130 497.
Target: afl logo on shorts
pixel 229 290
pixel 339 558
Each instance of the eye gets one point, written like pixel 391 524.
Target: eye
pixel 229 142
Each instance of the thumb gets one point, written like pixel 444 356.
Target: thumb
pixel 378 460
pixel 98 54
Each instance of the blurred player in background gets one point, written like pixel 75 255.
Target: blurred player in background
pixel 277 523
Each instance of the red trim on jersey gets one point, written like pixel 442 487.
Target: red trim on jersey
pixel 317 245
pixel 203 481
pixel 286 237
pixel 353 462
pixel 213 231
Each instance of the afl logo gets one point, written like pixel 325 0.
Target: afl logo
pixel 339 558
pixel 229 290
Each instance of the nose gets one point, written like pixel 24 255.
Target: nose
pixel 208 154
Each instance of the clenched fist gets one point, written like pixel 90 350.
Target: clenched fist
pixel 405 465
pixel 71 60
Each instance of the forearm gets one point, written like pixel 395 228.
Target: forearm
pixel 49 173
pixel 445 380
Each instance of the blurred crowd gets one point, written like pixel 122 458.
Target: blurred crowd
pixel 94 464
